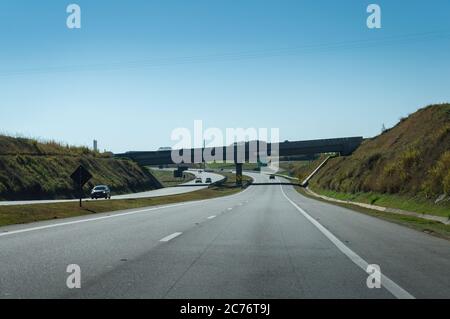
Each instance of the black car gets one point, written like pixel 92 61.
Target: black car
pixel 272 177
pixel 101 191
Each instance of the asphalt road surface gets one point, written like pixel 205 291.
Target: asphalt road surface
pixel 266 242
pixel 153 193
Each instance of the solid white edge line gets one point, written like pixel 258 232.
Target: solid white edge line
pixel 170 237
pixel 390 285
pixel 25 230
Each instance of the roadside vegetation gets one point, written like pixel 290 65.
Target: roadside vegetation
pixel 423 225
pixel 10 145
pixel 20 214
pixel 232 166
pixel 231 180
pixel 290 168
pixel 166 177
pixel 301 169
pixel 31 169
pixel 417 204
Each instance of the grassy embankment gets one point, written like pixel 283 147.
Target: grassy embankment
pixel 411 204
pixel 30 169
pixel 30 213
pixel 406 167
pixel 166 177
pixel 300 169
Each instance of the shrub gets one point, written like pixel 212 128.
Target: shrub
pixel 438 179
pixel 446 183
pixel 370 162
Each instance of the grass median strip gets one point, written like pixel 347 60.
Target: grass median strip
pixel 167 179
pixel 21 214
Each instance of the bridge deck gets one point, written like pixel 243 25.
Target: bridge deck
pixel 249 151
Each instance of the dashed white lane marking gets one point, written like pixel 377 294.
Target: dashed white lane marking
pixel 26 230
pixel 170 237
pixel 230 208
pixel 212 217
pixel 391 286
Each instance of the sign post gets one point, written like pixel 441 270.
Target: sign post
pixel 80 177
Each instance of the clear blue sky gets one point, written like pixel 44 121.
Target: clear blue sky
pixel 138 69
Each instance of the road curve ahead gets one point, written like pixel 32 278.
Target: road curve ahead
pixel 266 242
pixel 152 193
pixel 177 189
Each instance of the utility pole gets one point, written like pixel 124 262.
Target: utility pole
pixel 203 155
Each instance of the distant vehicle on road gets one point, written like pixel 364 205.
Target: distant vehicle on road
pixel 272 177
pixel 208 180
pixel 198 180
pixel 101 191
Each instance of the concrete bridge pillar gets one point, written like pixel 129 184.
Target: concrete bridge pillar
pixel 239 174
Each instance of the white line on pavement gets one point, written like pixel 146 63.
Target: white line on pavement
pixel 25 230
pixel 212 217
pixel 391 286
pixel 170 237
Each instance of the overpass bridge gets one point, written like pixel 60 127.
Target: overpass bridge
pixel 240 153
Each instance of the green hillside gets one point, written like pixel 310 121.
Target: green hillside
pixel 407 166
pixel 30 169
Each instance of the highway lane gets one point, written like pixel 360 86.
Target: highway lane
pixel 417 261
pixel 153 193
pixel 256 244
